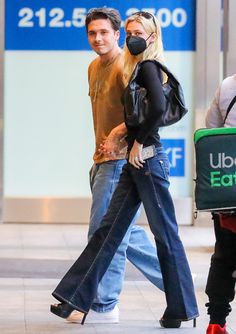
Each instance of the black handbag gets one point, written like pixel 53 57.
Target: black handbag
pixel 136 104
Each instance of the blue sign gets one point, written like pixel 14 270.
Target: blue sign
pixel 175 149
pixel 60 24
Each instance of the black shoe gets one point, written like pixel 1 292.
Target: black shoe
pixel 64 310
pixel 170 323
pixel 173 323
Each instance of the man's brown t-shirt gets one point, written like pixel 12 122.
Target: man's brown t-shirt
pixel 106 87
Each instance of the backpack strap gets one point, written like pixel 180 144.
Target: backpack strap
pixel 229 108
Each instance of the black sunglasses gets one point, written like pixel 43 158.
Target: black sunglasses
pixel 146 15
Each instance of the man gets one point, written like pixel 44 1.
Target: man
pixel 222 274
pixel 106 87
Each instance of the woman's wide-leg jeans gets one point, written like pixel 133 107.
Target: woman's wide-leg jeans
pixel 148 185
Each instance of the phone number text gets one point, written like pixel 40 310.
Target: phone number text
pixel 56 18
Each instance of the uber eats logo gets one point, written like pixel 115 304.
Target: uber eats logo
pixel 222 178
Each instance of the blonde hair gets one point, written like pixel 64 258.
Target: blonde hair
pixel 154 50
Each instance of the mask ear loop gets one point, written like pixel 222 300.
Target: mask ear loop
pixel 149 36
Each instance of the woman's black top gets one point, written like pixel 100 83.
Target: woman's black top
pixel 149 77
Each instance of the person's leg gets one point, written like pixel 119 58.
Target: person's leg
pixel 152 183
pixel 103 180
pixel 221 283
pixel 143 255
pixel 79 286
pixel 141 252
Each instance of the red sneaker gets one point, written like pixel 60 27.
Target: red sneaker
pixel 216 329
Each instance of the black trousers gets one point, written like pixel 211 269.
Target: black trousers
pixel 220 286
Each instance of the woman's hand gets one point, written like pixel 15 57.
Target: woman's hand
pixel 135 156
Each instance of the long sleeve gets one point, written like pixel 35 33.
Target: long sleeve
pixel 150 77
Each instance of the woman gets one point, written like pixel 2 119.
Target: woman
pixel 141 181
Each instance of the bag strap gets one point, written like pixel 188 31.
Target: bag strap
pixel 165 69
pixel 160 65
pixel 229 108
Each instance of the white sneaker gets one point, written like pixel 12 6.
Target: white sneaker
pixel 111 317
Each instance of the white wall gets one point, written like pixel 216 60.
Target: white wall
pixel 49 141
pixel 48 125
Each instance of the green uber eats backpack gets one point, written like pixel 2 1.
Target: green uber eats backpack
pixel 215 188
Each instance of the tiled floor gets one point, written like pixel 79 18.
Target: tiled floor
pixel 34 257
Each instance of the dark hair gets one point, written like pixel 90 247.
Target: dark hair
pixel 105 14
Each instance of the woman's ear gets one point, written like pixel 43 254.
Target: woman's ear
pixel 153 37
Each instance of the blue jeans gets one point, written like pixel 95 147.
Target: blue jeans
pixel 148 185
pixel 136 245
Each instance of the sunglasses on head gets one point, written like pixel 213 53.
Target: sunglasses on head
pixel 146 15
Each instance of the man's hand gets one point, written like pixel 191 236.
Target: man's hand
pixel 115 142
pixel 112 147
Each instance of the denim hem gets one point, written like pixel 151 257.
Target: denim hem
pixel 103 308
pixel 62 299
